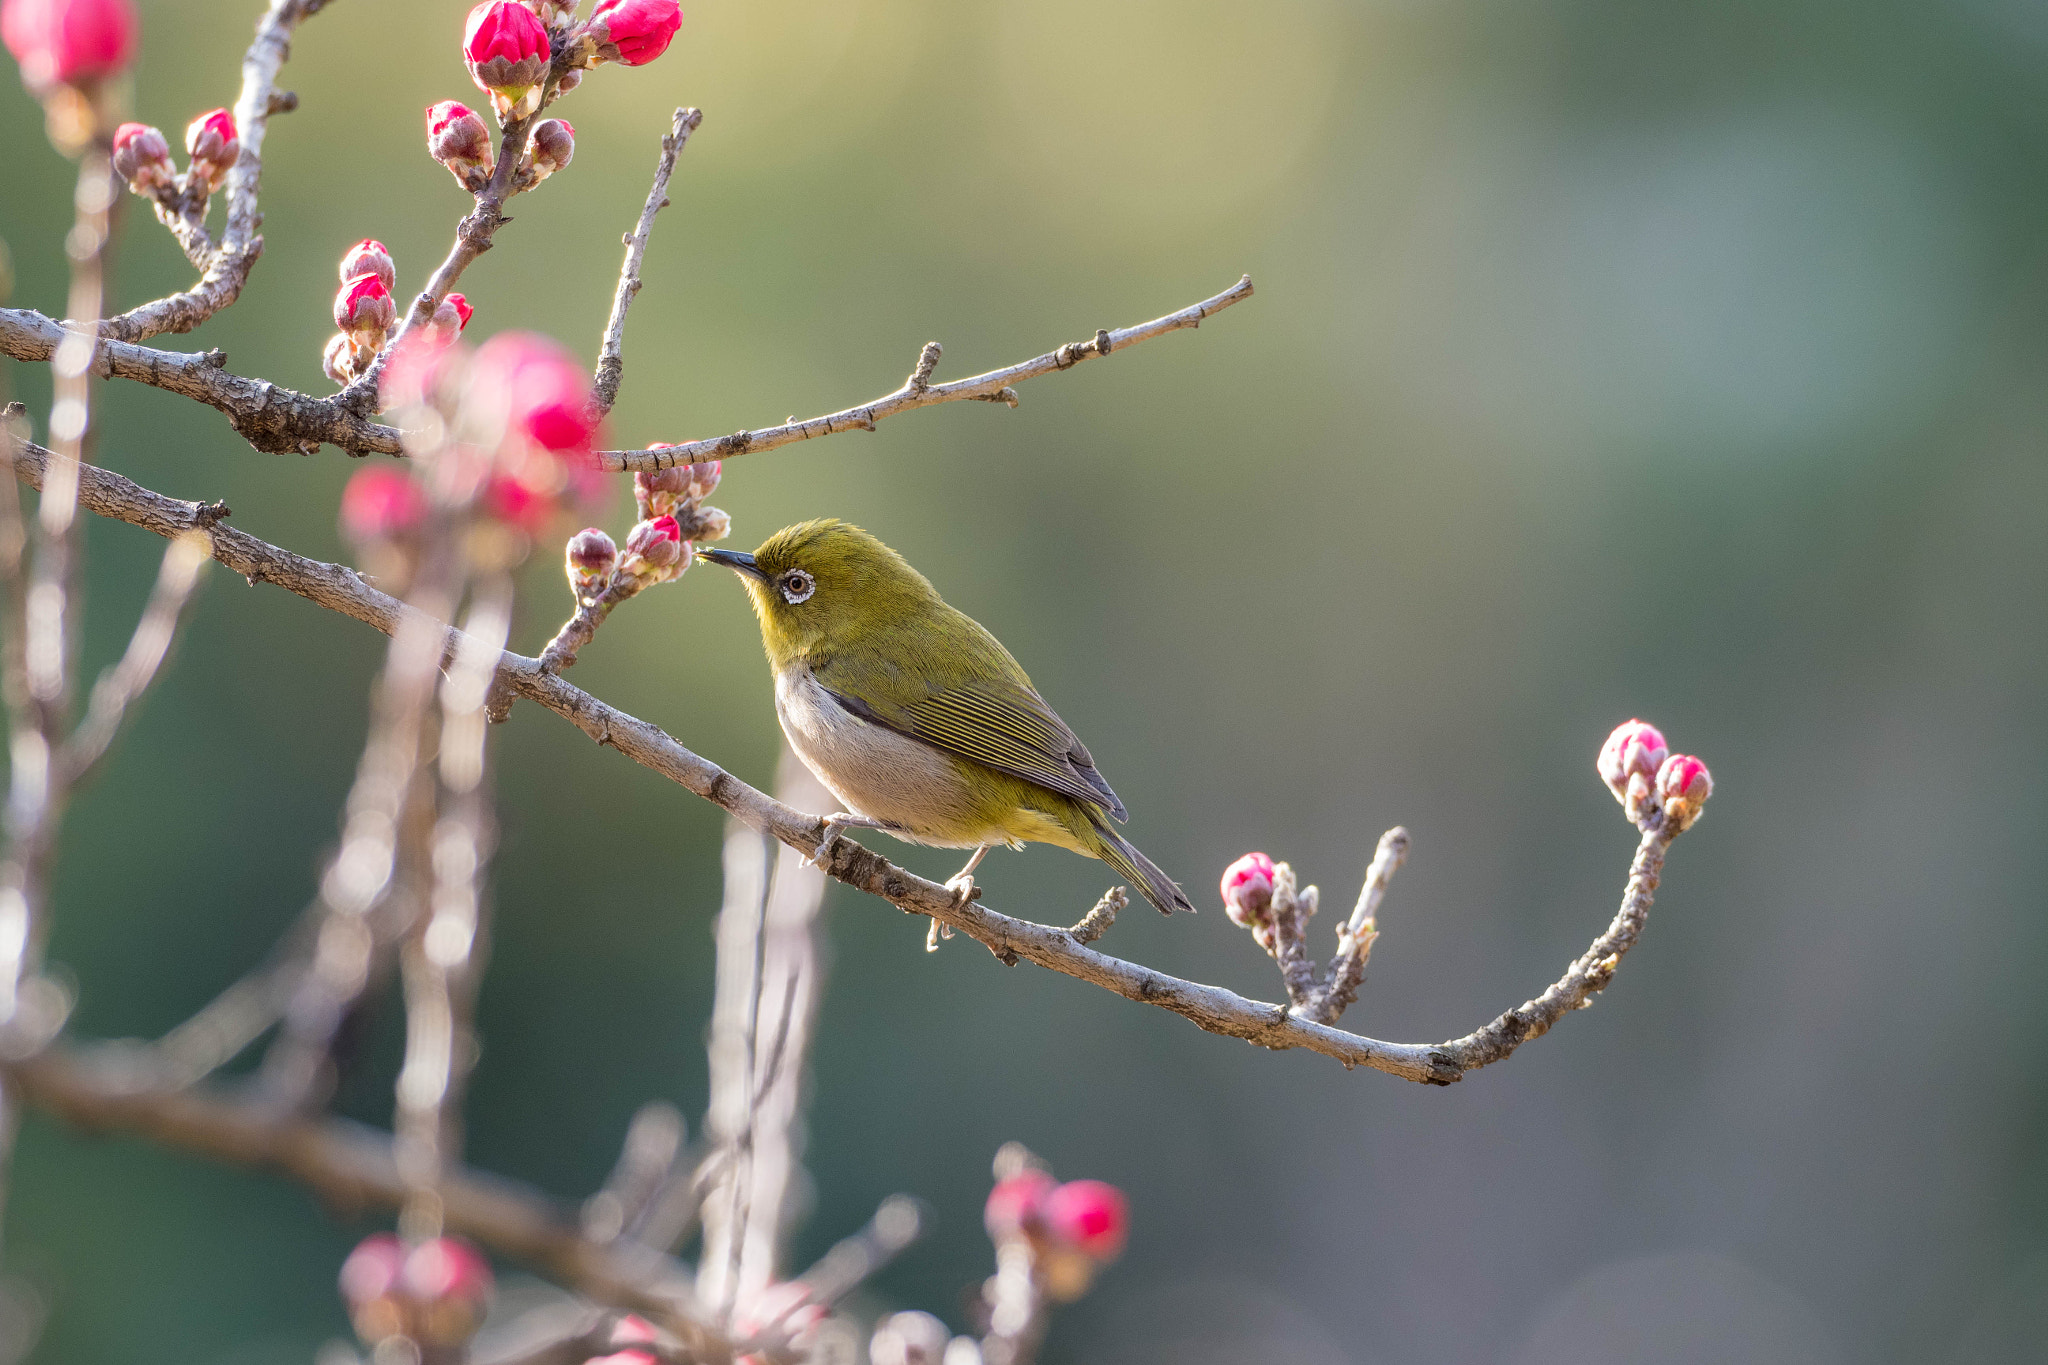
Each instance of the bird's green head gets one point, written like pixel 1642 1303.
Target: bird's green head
pixel 825 587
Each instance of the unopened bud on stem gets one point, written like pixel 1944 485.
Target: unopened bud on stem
pixel 553 143
pixel 458 139
pixel 591 558
pixel 369 257
pixel 142 157
pixel 1683 786
pixel 213 143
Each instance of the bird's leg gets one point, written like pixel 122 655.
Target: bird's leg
pixel 836 825
pixel 961 883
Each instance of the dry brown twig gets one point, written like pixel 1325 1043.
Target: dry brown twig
pixel 611 360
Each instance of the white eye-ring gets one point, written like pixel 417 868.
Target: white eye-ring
pixel 797 586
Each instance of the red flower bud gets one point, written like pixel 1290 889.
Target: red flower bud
pixel 142 157
pixel 591 558
pixel 1683 785
pixel 1090 1216
pixel 369 257
pixel 553 143
pixel 213 144
pixel 655 547
pixel 522 502
pixel 378 504
pixel 506 50
pixel 634 32
pixel 364 309
pixel 545 392
pixel 450 318
pixel 1634 750
pixel 68 42
pixel 1248 890
pixel 908 1339
pixel 1016 1205
pixel 458 139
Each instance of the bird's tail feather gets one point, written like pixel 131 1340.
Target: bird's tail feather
pixel 1153 884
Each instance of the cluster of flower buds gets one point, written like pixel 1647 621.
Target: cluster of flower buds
pixel 661 545
pixel 1647 778
pixel 142 157
pixel 458 139
pixel 1069 1231
pixel 634 1340
pixel 69 44
pixel 363 309
pixel 1248 896
pixel 435 1292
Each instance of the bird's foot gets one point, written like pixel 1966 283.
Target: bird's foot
pixel 938 931
pixel 836 825
pixel 963 888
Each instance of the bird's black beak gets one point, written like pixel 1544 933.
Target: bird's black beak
pixel 738 560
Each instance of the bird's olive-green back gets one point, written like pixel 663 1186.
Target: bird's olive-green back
pixel 877 635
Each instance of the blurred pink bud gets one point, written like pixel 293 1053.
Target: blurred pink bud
pixel 545 391
pixel 634 32
pixel 908 1339
pixel 450 318
pixel 67 42
pixel 372 1269
pixel 632 1332
pixel 450 1284
pixel 1017 1204
pixel 339 360
pixel 553 144
pixel 369 257
pixel 591 558
pixel 704 478
pixel 506 51
pixel 142 157
pixel 378 504
pixel 657 492
pixel 1248 890
pixel 213 144
pixel 1091 1216
pixel 458 139
pixel 363 308
pixel 1683 785
pixel 521 503
pixel 1634 750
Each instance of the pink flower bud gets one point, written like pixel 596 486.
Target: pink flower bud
pixel 1016 1205
pixel 709 523
pixel 458 139
pixel 908 1339
pixel 369 257
pixel 378 504
pixel 553 144
pixel 372 1269
pixel 450 318
pixel 634 32
pixel 1634 750
pixel 527 503
pixel 142 157
pixel 632 1332
pixel 653 548
pixel 1090 1216
pixel 591 558
pixel 68 42
pixel 658 492
pixel 1683 785
pixel 1248 890
pixel 506 51
pixel 545 392
pixel 342 360
pixel 704 478
pixel 364 309
pixel 450 1284
pixel 213 144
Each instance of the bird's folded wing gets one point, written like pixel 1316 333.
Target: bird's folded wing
pixel 1006 726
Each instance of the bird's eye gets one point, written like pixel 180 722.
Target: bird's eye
pixel 797 586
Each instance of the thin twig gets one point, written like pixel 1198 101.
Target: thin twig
pixel 1096 922
pixel 611 360
pixel 918 392
pixel 1355 935
pixel 1209 1007
pixel 1291 911
pixel 227 265
pixel 120 686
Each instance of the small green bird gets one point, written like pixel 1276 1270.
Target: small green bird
pixel 917 718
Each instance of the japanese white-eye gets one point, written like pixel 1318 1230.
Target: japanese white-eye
pixel 915 716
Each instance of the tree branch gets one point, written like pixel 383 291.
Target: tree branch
pixel 919 392
pixel 228 264
pixel 1209 1007
pixel 611 361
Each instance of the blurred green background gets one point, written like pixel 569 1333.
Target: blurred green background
pixel 1681 360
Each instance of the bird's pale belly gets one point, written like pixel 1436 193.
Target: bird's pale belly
pixel 922 794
